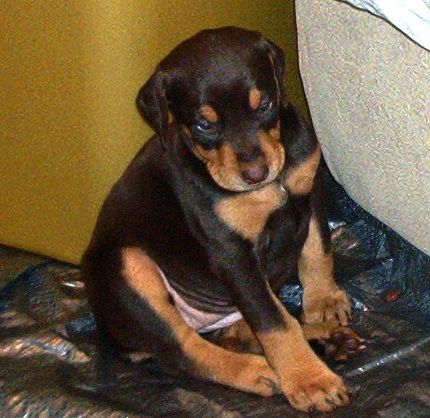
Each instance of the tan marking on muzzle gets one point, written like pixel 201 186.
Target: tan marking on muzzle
pixel 254 98
pixel 273 150
pixel 209 113
pixel 299 180
pixel 222 165
pixel 275 132
pixel 225 169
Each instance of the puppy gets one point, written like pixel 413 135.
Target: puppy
pixel 211 218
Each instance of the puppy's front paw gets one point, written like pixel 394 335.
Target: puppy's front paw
pixel 326 306
pixel 258 377
pixel 314 386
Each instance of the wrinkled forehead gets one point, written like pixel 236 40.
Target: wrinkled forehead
pixel 220 74
pixel 231 84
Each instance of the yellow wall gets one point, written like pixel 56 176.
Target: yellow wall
pixel 70 71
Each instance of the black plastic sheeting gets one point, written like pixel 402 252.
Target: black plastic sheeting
pixel 49 366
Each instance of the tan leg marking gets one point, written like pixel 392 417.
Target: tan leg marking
pixel 323 301
pixel 304 379
pixel 247 213
pixel 209 113
pixel 254 98
pixel 300 179
pixel 323 330
pixel 318 331
pixel 246 372
pixel 240 338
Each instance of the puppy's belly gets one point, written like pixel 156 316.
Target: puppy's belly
pixel 197 319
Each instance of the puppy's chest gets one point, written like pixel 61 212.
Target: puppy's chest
pixel 247 213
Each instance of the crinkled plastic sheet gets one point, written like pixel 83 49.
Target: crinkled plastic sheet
pixel 49 365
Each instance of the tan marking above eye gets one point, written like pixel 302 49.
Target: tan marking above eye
pixel 254 98
pixel 209 113
pixel 247 213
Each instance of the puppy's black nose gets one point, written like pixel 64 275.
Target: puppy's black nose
pixel 255 173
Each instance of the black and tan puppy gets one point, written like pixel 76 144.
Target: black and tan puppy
pixel 212 216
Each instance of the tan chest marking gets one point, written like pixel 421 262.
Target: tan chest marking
pixel 247 213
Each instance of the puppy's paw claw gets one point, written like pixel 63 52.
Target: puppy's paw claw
pixel 332 306
pixel 258 377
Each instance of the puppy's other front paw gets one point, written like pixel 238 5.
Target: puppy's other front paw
pixel 314 386
pixel 257 377
pixel 326 306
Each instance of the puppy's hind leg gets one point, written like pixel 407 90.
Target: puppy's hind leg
pixel 178 346
pixel 240 338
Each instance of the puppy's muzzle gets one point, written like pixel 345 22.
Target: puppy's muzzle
pixel 255 172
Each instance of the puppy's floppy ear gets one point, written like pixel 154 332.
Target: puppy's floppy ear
pixel 152 104
pixel 277 58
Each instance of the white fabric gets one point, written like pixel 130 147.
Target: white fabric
pixel 201 321
pixel 410 16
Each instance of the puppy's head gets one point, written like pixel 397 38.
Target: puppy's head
pixel 223 90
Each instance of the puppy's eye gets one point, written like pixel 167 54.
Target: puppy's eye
pixel 205 129
pixel 266 106
pixel 204 125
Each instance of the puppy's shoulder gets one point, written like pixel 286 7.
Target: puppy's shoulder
pixel 151 155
